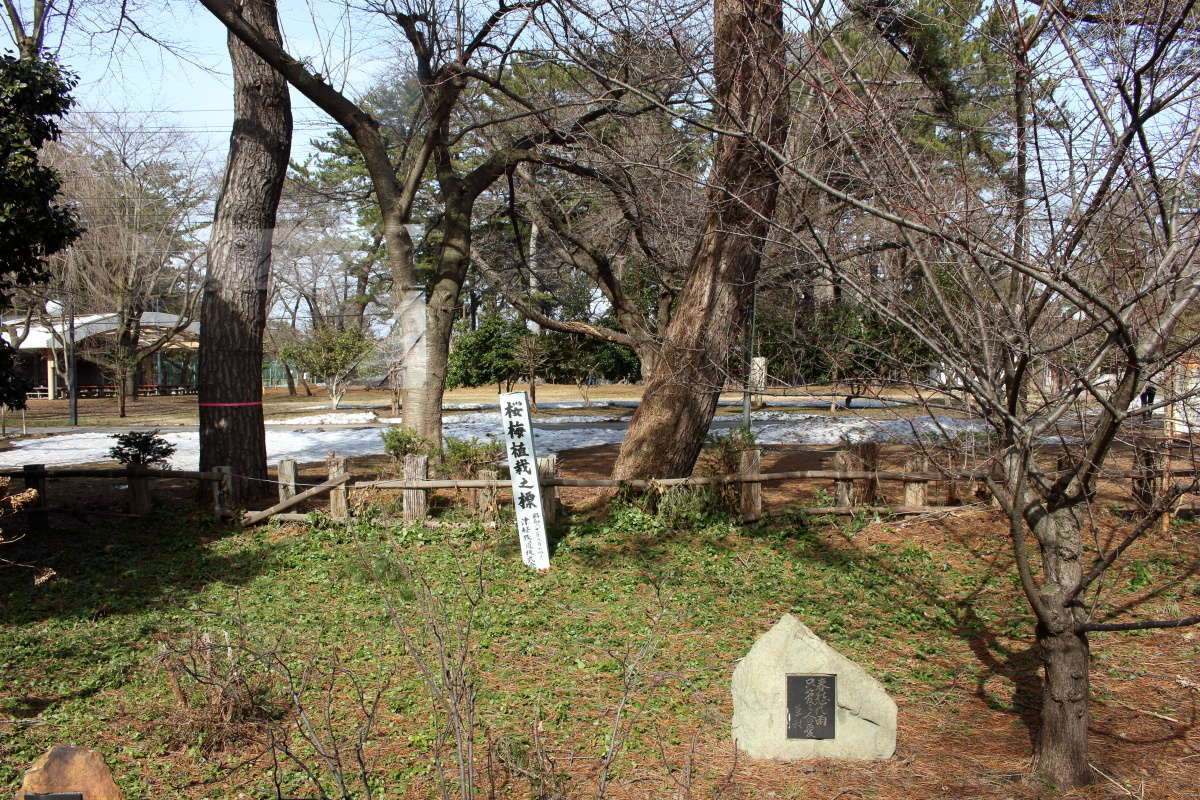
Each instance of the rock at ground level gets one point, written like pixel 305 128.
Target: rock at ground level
pixel 65 768
pixel 863 723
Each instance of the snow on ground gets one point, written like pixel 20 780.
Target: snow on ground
pixel 810 429
pixel 343 406
pixel 551 435
pixel 811 401
pixel 332 418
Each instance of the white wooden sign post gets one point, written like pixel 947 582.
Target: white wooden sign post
pixel 522 466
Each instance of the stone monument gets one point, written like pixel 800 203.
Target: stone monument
pixel 64 769
pixel 796 697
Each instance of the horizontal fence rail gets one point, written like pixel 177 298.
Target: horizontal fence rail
pixel 36 477
pixel 856 490
pixel 855 483
pixel 124 472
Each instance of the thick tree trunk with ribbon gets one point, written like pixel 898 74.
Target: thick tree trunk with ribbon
pixel 670 425
pixel 233 311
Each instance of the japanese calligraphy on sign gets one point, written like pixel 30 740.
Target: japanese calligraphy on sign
pixel 522 466
pixel 811 706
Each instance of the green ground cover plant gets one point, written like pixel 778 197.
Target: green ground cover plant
pixel 611 667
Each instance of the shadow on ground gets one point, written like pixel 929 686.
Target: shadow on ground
pixel 78 602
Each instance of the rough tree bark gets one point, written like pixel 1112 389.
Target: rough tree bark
pixel 233 310
pixel 1061 753
pixel 423 402
pixel 668 429
pixel 291 380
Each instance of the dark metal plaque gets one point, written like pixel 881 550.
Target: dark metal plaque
pixel 55 796
pixel 811 706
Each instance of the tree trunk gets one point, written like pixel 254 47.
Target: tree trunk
pixel 239 262
pixel 122 386
pixel 1062 747
pixel 291 379
pixel 423 399
pixel 185 367
pixel 648 356
pixel 1061 756
pixel 126 355
pixel 668 429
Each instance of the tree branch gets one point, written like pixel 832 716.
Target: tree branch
pixel 1144 625
pixel 529 312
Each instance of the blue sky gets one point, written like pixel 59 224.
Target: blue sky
pixel 191 92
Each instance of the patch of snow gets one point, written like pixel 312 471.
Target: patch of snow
pixel 492 418
pixel 332 418
pixel 325 406
pixel 563 433
pixel 814 401
pixel 832 430
pixel 556 404
pixel 577 420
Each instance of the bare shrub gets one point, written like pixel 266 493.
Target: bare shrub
pixel 310 712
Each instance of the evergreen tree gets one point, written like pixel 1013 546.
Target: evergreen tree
pixel 34 94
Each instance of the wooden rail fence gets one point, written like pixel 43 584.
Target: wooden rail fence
pixel 856 486
pixel 137 479
pixel 855 480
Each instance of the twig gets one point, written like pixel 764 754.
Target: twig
pixel 1147 713
pixel 1117 784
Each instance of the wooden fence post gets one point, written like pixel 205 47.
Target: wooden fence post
pixel 1146 468
pixel 751 491
pixel 416 502
pixel 1165 480
pixel 867 454
pixel 221 491
pixel 139 490
pixel 339 498
pixel 286 474
pixel 953 497
pixel 35 478
pixel 916 492
pixel 485 499
pixel 843 487
pixel 547 467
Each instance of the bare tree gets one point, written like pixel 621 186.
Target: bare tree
pixel 624 222
pixel 1055 248
pixel 28 25
pixel 323 269
pixel 457 53
pixel 140 201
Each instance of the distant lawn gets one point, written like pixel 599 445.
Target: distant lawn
pixel 181 410
pixel 655 607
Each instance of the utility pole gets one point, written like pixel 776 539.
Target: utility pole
pixel 72 381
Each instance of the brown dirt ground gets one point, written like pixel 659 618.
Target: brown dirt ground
pixel 181 410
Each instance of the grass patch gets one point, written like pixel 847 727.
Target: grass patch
pixel 646 611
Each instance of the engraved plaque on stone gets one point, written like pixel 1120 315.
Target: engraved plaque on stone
pixel 811 706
